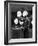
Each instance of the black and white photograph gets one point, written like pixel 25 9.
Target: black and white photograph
pixel 20 19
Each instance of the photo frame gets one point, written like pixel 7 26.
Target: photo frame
pixel 17 33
